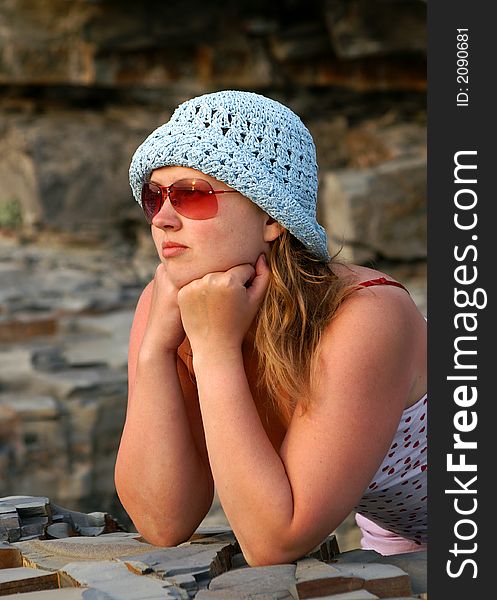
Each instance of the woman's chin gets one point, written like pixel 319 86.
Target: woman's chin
pixel 181 275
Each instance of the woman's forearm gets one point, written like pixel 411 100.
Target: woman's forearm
pixel 160 478
pixel 252 485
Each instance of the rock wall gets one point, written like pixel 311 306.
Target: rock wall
pixel 81 85
pixel 83 82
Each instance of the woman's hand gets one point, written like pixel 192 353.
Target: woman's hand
pixel 164 326
pixel 218 309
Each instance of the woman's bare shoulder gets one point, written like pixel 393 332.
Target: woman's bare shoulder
pixel 357 273
pixel 386 318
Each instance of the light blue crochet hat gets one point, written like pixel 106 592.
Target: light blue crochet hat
pixel 254 144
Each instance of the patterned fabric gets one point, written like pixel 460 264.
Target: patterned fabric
pixel 396 497
pixel 254 144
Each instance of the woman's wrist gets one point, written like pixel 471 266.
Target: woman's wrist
pixel 153 347
pixel 208 357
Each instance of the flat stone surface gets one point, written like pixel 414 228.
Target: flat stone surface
pixel 413 563
pixel 117 566
pixel 19 501
pixel 369 571
pixel 7 509
pixel 60 594
pixel 381 579
pixel 9 556
pixel 356 595
pixel 315 579
pixel 276 581
pixel 117 581
pixel 336 584
pixel 192 559
pixel 30 506
pixel 242 594
pixel 311 568
pixel 54 554
pixel 20 579
pixel 185 582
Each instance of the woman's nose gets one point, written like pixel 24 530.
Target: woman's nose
pixel 167 217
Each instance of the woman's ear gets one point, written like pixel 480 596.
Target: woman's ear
pixel 272 229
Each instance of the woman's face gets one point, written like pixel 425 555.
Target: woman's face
pixel 238 233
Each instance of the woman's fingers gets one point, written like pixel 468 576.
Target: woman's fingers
pixel 260 282
pixel 242 274
pixel 255 279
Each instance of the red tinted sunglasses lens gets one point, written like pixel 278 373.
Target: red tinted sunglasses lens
pixel 151 200
pixel 194 199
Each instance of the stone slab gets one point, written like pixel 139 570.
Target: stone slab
pixel 328 586
pixel 22 579
pixel 60 530
pixel 117 582
pixel 413 563
pixel 275 581
pixel 60 594
pixel 382 579
pixel 29 505
pixel 9 556
pixel 55 554
pixel 381 209
pixel 314 578
pixel 195 559
pixel 185 582
pixel 311 568
pixel 356 595
pixel 241 594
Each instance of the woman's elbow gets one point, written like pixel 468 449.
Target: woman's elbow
pixel 152 525
pixel 159 531
pixel 274 555
pixel 162 537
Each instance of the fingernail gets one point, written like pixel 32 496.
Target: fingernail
pixel 264 258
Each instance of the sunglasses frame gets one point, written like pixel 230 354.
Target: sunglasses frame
pixel 165 191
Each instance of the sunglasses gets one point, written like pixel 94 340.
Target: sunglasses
pixel 191 198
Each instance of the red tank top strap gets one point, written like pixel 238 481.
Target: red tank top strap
pixel 382 281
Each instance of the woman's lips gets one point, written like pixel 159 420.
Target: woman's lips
pixel 172 249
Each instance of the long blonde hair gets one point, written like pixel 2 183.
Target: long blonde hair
pixel 302 297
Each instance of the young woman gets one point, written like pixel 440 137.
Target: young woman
pixel 293 383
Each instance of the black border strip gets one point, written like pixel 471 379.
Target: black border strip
pixel 462 539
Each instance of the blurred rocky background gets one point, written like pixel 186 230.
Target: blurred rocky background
pixel 82 83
